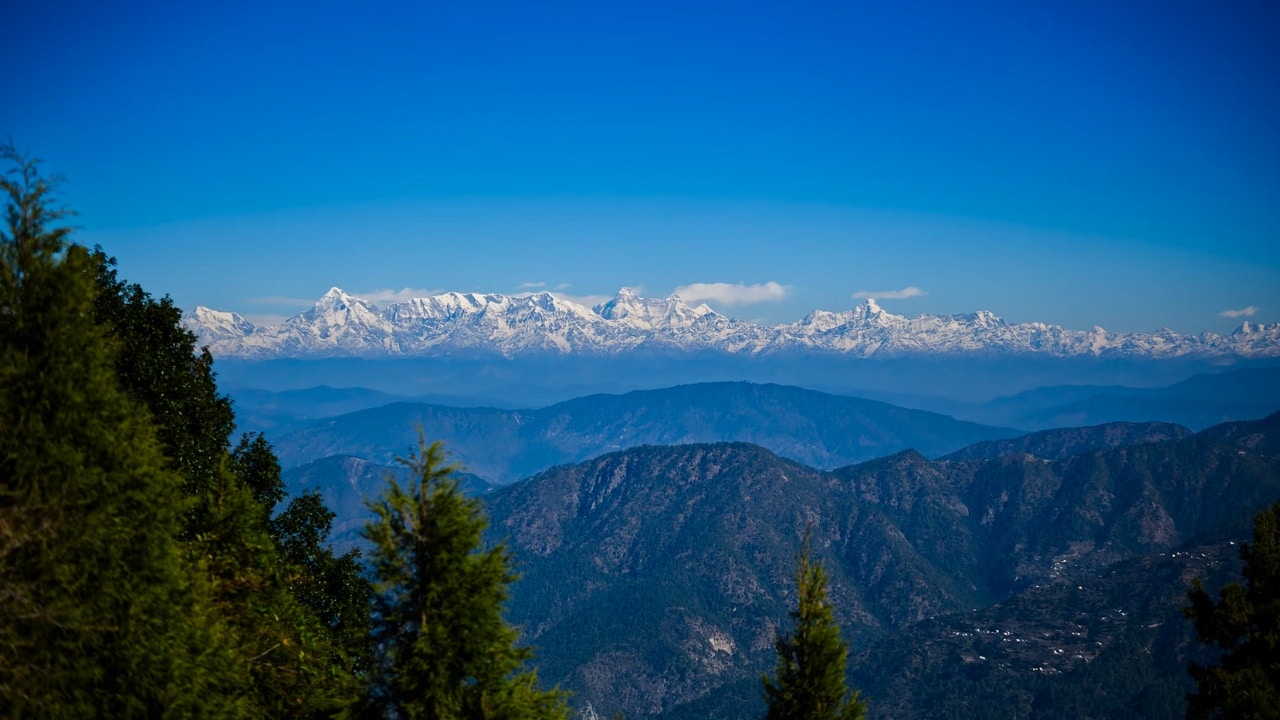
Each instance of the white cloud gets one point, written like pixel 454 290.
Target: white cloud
pixel 1242 312
pixel 583 300
pixel 733 294
pixel 906 292
pixel 387 296
pixel 530 285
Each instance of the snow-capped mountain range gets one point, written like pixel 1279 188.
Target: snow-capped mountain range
pixel 341 325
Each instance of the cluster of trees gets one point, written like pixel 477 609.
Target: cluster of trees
pixel 150 565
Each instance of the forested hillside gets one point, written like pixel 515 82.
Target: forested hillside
pixel 654 578
pixel 151 564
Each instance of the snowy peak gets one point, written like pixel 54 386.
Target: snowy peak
pixel 338 308
pixel 872 314
pixel 215 325
pixel 629 309
pixel 340 324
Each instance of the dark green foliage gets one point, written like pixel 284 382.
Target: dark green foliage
pixel 159 365
pixel 141 573
pixel 256 466
pixel 99 616
pixel 1245 623
pixel 299 614
pixel 332 587
pixel 300 652
pixel 810 681
pixel 445 651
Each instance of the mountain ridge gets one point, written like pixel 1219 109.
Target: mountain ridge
pixel 343 325
pixel 654 579
pixel 819 429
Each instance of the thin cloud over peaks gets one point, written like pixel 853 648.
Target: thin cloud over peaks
pixel 557 292
pixel 587 301
pixel 733 294
pixel 1242 312
pixel 907 292
pixel 388 296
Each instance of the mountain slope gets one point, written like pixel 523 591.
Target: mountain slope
pixel 655 578
pixel 652 577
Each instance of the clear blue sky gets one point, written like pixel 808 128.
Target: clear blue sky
pixel 1080 163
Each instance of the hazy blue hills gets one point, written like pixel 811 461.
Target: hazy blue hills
pixel 1064 442
pixel 654 578
pixel 1198 402
pixel 502 446
pixel 952 385
pixel 278 412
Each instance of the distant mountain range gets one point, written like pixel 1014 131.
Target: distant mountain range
pixel 654 579
pixel 341 325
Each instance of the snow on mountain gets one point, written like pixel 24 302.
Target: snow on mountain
pixel 633 311
pixel 214 325
pixel 341 325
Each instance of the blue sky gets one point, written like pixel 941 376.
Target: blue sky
pixel 1084 163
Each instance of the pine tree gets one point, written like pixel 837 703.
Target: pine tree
pixel 99 615
pixel 1245 623
pixel 810 679
pixel 445 651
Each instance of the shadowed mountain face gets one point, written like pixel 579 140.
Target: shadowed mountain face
pixel 654 579
pixel 505 445
pixel 1112 643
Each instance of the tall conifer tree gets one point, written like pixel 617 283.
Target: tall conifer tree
pixel 810 682
pixel 445 651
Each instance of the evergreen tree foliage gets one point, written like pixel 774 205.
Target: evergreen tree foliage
pixel 159 365
pixel 299 660
pixel 810 682
pixel 444 650
pixel 141 570
pixel 1245 623
pixel 99 615
pixel 254 463
pixel 334 588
